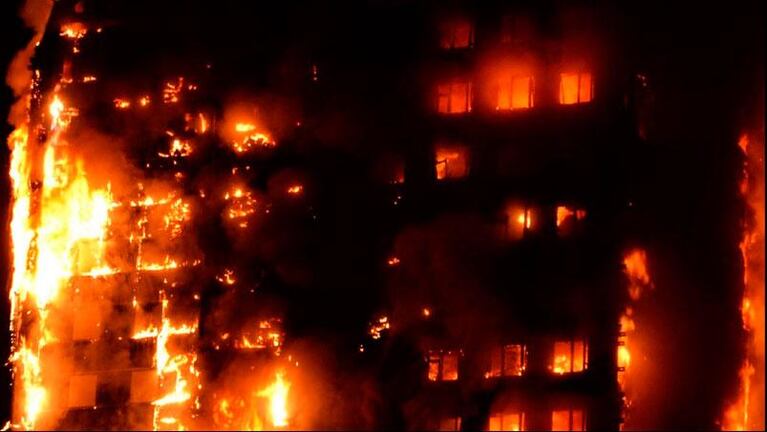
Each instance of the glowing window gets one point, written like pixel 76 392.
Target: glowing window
pixel 506 422
pixel 450 424
pixel 509 361
pixel 569 357
pixel 457 34
pixel 519 220
pixel 515 92
pixel 568 420
pixel 454 98
pixel 443 366
pixel 575 88
pixel 451 162
pixel 566 216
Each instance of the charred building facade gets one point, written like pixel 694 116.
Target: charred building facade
pixel 399 215
pixel 519 167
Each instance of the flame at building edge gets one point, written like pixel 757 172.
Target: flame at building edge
pixel 747 411
pixel 629 378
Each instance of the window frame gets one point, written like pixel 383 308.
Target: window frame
pixel 508 80
pixel 449 32
pixel 579 99
pixel 440 356
pixel 444 163
pixel 501 414
pixel 572 342
pixel 499 352
pixel 570 411
pixel 468 98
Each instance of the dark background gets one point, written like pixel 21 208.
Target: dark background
pixel 705 63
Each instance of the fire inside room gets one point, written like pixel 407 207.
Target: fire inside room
pixel 383 214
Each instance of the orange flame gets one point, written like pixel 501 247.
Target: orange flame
pixel 249 137
pixel 747 412
pixel 277 393
pixel 57 231
pixel 635 269
pixel 378 327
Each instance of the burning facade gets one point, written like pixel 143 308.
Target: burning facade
pixel 257 238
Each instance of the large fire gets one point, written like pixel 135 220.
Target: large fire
pixel 277 394
pixel 66 230
pixel 153 252
pixel 58 228
pixel 747 412
pixel 639 281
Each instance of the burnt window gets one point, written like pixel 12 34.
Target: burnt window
pixel 515 92
pixel 113 388
pixel 443 365
pixel 569 357
pixel 450 424
pixel 456 33
pixel 568 420
pixel 575 87
pixel 451 161
pixel 454 97
pixel 142 352
pixel 506 421
pixel 508 361
pixel 516 29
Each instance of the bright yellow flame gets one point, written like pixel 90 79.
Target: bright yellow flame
pixel 177 148
pixel 244 127
pixel 378 327
pixel 277 393
pixel 203 124
pixel 55 109
pixel 120 103
pixel 73 30
pixel 58 231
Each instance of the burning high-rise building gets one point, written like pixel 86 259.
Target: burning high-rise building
pixel 409 215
